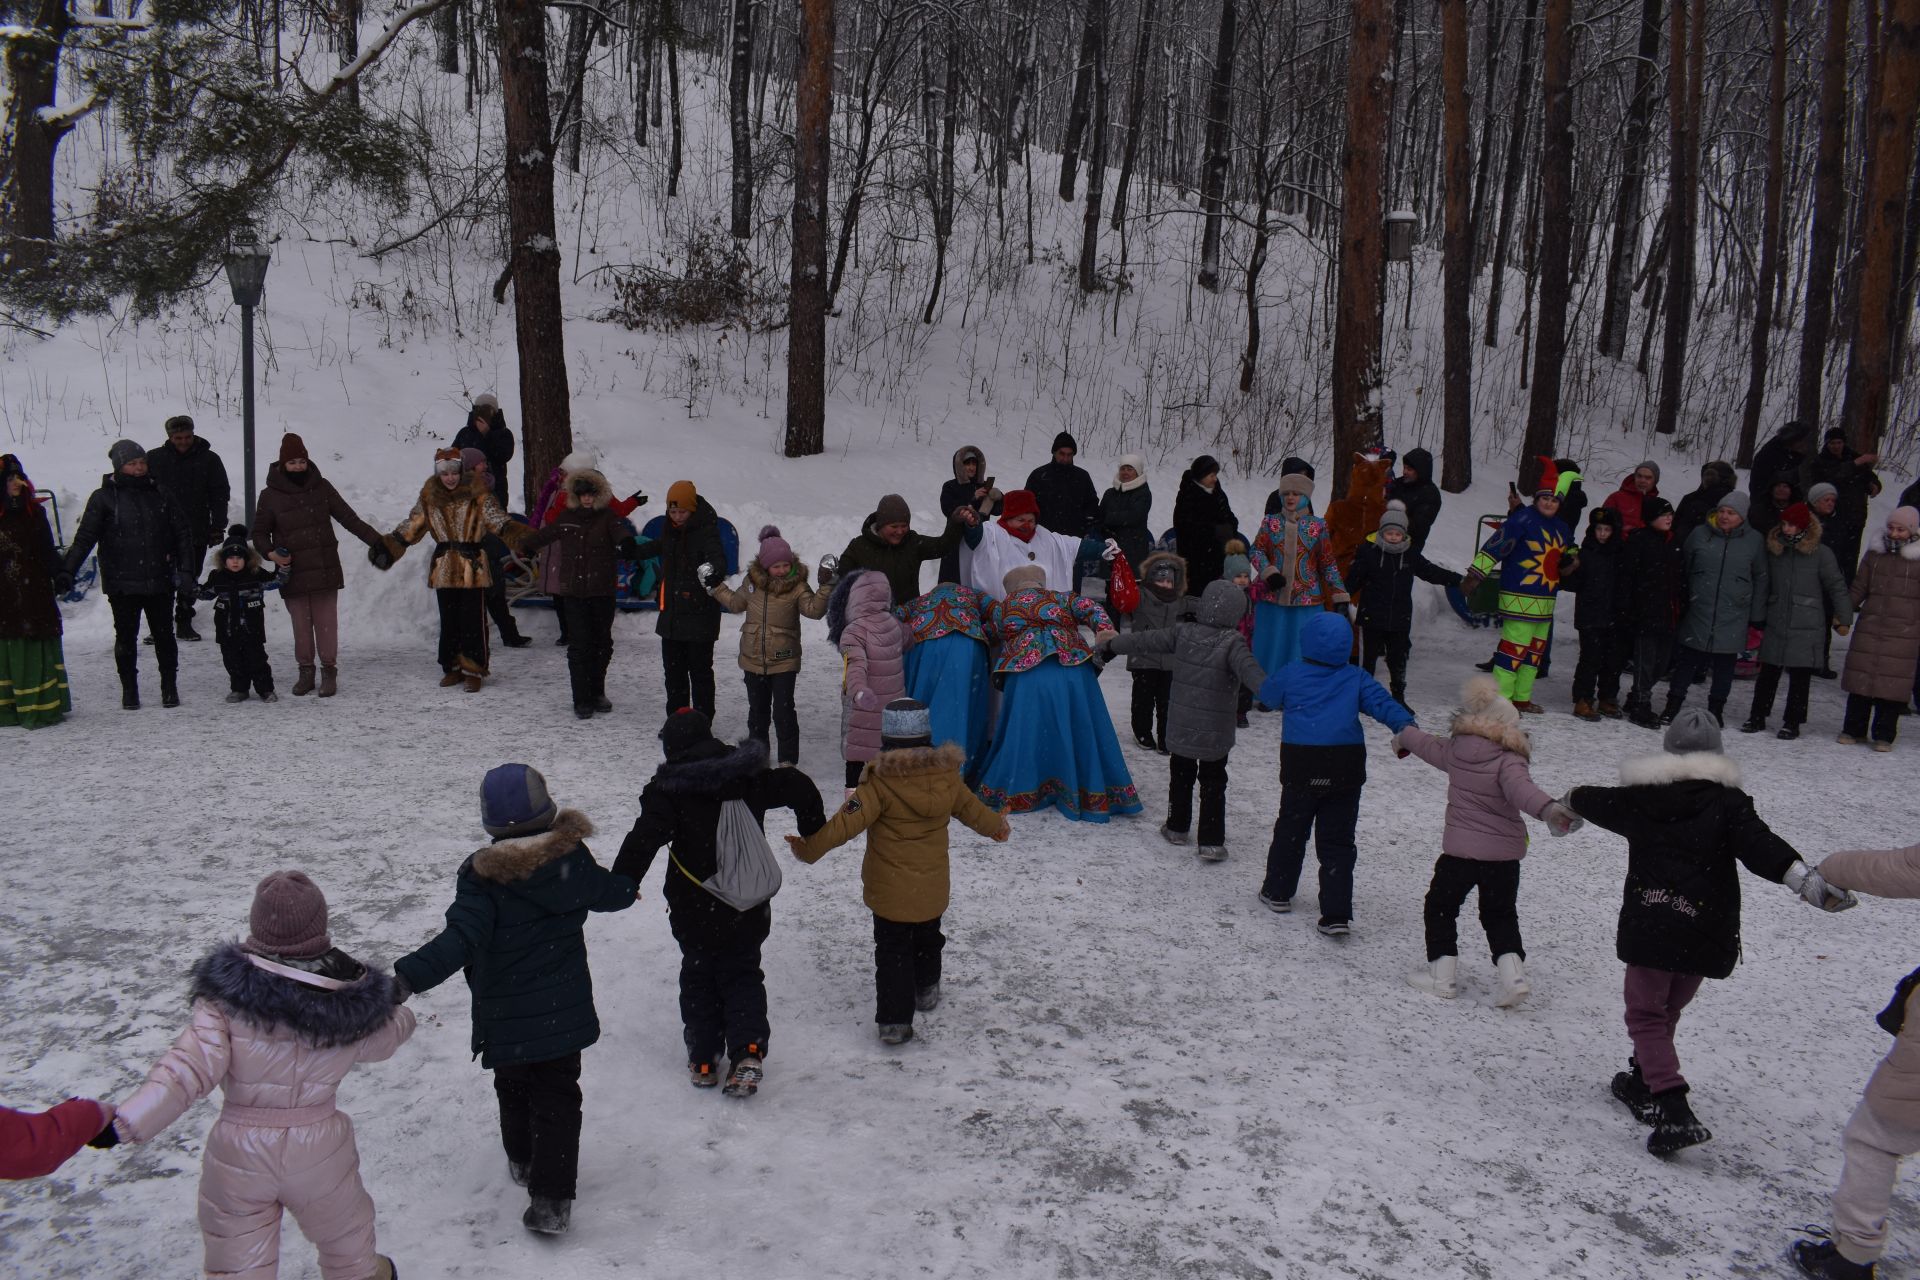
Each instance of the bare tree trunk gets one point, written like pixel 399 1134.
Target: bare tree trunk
pixel 446 30
pixel 941 123
pixel 546 423
pixel 1516 164
pixel 812 147
pixel 583 25
pixel 1358 315
pixel 1685 51
pixel 1456 468
pixel 1556 236
pixel 869 104
pixel 1829 210
pixel 30 58
pixel 1495 41
pixel 1257 261
pixel 349 39
pixel 1889 139
pixel 1769 233
pixel 1617 310
pixel 1136 105
pixel 1082 97
pixel 670 32
pixel 1213 172
pixel 1903 303
pixel 1097 159
pixel 643 81
pixel 739 86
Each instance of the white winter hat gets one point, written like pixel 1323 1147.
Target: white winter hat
pixel 580 460
pixel 1480 696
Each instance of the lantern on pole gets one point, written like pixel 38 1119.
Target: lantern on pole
pixel 1401 227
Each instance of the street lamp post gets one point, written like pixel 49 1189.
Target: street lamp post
pixel 247 274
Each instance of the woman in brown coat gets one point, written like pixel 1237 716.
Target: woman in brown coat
pixel 1886 636
pixel 456 508
pixel 775 596
pixel 293 526
pixel 582 573
pixel 33 672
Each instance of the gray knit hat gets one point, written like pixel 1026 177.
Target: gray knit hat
pixel 1821 490
pixel 121 452
pixel 1652 466
pixel 1735 501
pixel 893 509
pixel 1693 729
pixel 1394 517
pixel 289 917
pixel 906 723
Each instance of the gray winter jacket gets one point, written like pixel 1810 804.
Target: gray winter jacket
pixel 1210 663
pixel 1726 588
pixel 1804 586
pixel 1155 614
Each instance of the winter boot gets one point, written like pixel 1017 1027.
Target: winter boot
pixel 1641 713
pixel 1788 732
pixel 1438 978
pixel 473 684
pixel 514 639
pixel 1171 836
pixel 1675 1127
pixel 183 630
pixel 517 1170
pixel 1821 1259
pixel 581 711
pixel 447 681
pixel 1845 739
pixel 129 694
pixel 547 1216
pixel 1145 740
pixel 1335 928
pixel 746 1075
pixel 269 696
pixel 328 679
pixel 1511 983
pixel 1279 906
pixel 1211 853
pixel 238 695
pixel 169 689
pixel 1610 710
pixel 304 685
pixel 1631 1088
pixel 1754 724
pixel 1672 709
pixel 927 998
pixel 1583 710
pixel 701 1074
pixel 1529 708
pixel 896 1032
pixel 387 1269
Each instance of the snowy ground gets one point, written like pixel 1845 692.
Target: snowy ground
pixel 1138 1071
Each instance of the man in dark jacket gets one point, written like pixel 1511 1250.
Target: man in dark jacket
pixel 517 928
pixel 188 470
pixel 1203 523
pixel 692 558
pixel 145 546
pixel 888 544
pixel 486 430
pixel 1414 488
pixel 1855 485
pixel 1717 480
pixel 1789 447
pixel 1068 501
pixel 1652 594
pixel 723 993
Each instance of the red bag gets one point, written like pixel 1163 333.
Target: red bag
pixel 1123 591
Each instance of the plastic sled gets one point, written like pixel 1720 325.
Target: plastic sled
pixel 1482 609
pixel 636 582
pixel 89 572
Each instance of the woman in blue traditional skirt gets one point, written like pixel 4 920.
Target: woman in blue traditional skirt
pixel 1293 560
pixel 1054 743
pixel 947 666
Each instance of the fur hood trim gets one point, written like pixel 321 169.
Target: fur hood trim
pixel 324 1019
pixel 962 456
pixel 708 773
pixel 602 491
pixel 505 861
pixel 1809 539
pixel 1510 736
pixel 1691 766
pixel 1144 570
pixel 911 760
pixel 763 581
pixel 1877 541
pixel 435 496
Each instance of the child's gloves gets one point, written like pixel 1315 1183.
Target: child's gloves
pixel 1399 752
pixel 400 988
pixel 1810 885
pixel 1560 820
pixel 63 583
pixel 1841 628
pixel 637 498
pixel 708 575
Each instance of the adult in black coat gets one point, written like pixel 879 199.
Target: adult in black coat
pixel 1655 595
pixel 486 430
pixel 1068 501
pixel 1764 511
pixel 146 546
pixel 971 486
pixel 692 558
pixel 1717 480
pixel 1597 577
pixel 1126 510
pixel 723 994
pixel 1786 450
pixel 1203 523
pixel 1414 488
pixel 1852 477
pixel 191 473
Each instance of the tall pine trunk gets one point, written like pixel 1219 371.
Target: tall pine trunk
pixel 546 422
pixel 941 127
pixel 1769 232
pixel 812 142
pixel 1213 168
pixel 739 118
pixel 1829 211
pixel 1686 46
pixel 1136 106
pixel 1889 140
pixel 1456 468
pixel 1097 157
pixel 1358 310
pixel 1082 98
pixel 1616 312
pixel 1516 164
pixel 1495 41
pixel 30 56
pixel 1556 235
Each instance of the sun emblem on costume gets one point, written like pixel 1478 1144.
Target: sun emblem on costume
pixel 1540 562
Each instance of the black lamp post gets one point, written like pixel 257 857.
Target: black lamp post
pixel 247 273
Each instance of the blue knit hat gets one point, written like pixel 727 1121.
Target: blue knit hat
pixel 514 801
pixel 906 723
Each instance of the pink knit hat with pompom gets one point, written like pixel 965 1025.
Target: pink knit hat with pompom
pixel 774 548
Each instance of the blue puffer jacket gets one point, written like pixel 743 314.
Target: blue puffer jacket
pixel 1323 695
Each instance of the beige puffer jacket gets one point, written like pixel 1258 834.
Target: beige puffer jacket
pixel 770 634
pixel 1894 1090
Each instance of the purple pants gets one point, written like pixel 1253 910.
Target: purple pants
pixel 1655 998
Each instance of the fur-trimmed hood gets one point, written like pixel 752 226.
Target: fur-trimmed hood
pixel 507 861
pixel 1143 572
pixel 1878 541
pixel 905 761
pixel 711 767
pixel 602 491
pixel 960 459
pixel 763 581
pixel 1809 540
pixel 1690 766
pixel 1509 736
pixel 325 1018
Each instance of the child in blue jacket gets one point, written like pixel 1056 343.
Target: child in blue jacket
pixel 1323 766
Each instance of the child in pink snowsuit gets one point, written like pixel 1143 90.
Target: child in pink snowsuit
pixel 278 1020
pixel 873 645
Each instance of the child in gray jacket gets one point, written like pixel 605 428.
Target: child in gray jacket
pixel 1163 603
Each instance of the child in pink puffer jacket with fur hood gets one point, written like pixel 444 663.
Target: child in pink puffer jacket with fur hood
pixel 1488 789
pixel 278 1020
pixel 873 644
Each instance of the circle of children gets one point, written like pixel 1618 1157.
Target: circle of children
pixel 976 700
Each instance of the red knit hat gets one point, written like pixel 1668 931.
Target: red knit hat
pixel 1799 515
pixel 1020 502
pixel 291 447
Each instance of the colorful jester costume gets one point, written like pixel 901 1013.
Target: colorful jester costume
pixel 1527 552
